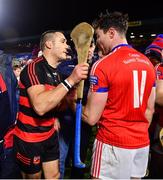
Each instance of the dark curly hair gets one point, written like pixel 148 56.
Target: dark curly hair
pixel 115 19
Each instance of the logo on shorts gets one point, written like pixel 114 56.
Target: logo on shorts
pixel 36 160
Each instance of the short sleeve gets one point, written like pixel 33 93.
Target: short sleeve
pixel 98 79
pixel 30 75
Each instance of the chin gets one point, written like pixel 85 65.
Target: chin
pixel 62 58
pixel 65 56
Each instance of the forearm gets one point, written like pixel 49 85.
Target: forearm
pixel 90 115
pixel 86 110
pixel 44 100
pixel 149 115
pixel 151 105
pixel 94 107
pixel 48 100
pixel 85 115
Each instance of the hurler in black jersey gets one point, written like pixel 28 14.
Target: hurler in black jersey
pixel 41 92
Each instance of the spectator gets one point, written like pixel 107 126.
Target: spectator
pixel 155 53
pixel 17 70
pixel 8 107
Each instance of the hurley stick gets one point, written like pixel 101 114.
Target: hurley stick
pixel 82 36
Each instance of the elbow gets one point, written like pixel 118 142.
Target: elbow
pixel 89 121
pixel 89 118
pixel 39 110
pixel 92 122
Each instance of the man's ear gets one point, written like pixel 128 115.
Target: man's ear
pixel 111 32
pixel 48 44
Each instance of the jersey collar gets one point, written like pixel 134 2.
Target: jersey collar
pixel 120 45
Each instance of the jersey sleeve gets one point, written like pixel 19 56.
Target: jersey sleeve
pixel 98 80
pixel 30 76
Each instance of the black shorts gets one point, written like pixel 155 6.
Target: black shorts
pixel 30 156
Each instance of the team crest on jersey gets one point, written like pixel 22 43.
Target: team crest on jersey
pixel 49 75
pixel 36 160
pixel 93 80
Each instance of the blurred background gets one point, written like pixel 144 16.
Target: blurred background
pixel 23 21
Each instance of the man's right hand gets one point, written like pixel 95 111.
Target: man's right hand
pixel 79 73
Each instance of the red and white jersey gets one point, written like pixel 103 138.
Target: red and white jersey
pixel 159 109
pixel 128 76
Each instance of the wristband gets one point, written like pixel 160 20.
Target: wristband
pixel 66 84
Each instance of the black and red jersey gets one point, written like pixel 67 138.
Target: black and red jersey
pixel 30 126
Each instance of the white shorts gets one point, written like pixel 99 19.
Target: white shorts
pixel 110 162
